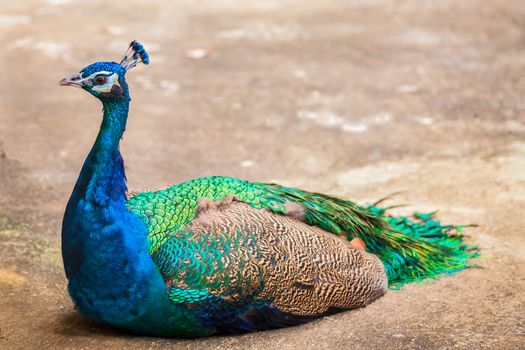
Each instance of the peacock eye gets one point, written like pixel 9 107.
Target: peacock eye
pixel 100 79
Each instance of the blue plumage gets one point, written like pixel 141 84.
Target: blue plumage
pixel 112 277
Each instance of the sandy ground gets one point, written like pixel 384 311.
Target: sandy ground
pixel 357 98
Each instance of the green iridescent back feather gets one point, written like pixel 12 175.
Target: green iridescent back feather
pixel 412 249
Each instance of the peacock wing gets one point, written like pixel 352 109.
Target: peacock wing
pixel 244 268
pixel 170 209
pixel 411 249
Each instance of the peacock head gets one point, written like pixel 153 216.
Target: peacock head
pixel 106 80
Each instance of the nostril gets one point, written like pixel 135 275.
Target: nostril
pixel 75 78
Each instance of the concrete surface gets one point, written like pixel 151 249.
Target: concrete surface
pixel 357 98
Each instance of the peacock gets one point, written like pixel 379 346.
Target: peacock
pixel 223 255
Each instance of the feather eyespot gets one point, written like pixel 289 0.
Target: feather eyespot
pixel 100 79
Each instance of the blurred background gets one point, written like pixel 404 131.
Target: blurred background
pixel 357 98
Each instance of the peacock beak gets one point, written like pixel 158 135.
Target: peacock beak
pixel 74 80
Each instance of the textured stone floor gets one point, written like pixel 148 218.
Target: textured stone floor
pixel 357 98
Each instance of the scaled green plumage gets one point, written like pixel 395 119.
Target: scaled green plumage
pixel 412 249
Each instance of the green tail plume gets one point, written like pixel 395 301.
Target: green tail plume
pixel 420 247
pixel 412 249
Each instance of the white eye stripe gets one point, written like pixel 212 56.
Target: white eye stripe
pixel 112 80
pixel 102 72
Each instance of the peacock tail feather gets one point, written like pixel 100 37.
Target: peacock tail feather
pixel 411 249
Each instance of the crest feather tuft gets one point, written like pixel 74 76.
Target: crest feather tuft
pixel 135 54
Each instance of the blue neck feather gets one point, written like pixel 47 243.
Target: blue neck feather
pixel 112 277
pixel 102 180
pixel 96 207
pixel 100 238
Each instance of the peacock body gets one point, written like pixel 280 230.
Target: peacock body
pixel 219 254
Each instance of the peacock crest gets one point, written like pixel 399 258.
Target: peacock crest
pixel 134 55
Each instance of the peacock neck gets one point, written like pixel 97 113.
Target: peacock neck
pixel 102 180
pixel 112 277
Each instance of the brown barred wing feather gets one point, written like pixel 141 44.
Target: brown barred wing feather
pixel 240 254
